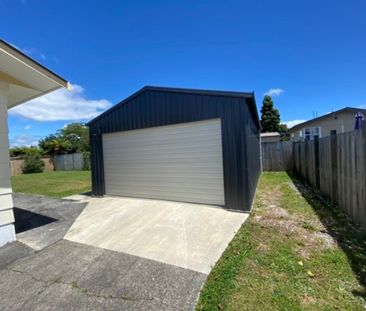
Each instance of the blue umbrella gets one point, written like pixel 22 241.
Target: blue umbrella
pixel 359 118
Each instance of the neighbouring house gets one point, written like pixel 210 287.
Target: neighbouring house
pixel 178 144
pixel 21 79
pixel 270 137
pixel 342 120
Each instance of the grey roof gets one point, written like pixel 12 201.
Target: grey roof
pixel 270 134
pixel 346 109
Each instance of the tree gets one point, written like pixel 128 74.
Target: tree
pixel 78 136
pixel 72 138
pixel 22 151
pixel 54 145
pixel 270 116
pixel 284 132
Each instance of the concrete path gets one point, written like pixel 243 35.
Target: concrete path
pixel 82 198
pixel 191 236
pixel 39 223
pixel 42 221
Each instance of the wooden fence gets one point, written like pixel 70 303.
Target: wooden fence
pixel 337 166
pixel 16 165
pixel 68 162
pixel 277 156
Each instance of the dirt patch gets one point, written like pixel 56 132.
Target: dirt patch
pixel 272 197
pixel 308 300
pixel 326 238
pixel 309 233
pixel 263 248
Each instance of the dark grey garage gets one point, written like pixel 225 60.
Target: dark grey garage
pixel 179 144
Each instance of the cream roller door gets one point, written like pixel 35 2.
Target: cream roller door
pixel 181 162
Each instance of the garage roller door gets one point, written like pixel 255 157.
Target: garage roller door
pixel 181 162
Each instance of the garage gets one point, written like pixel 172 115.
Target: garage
pixel 182 145
pixel 175 162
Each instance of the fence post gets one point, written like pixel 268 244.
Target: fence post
pixel 307 162
pixel 317 162
pixel 73 161
pixel 334 164
pixel 363 212
pixel 299 158
pixel 260 152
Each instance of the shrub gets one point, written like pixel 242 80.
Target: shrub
pixel 86 158
pixel 32 163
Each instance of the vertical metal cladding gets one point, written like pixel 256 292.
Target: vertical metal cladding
pixel 163 106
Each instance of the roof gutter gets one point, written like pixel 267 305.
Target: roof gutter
pixel 31 63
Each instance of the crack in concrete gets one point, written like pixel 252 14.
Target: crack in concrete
pixel 74 286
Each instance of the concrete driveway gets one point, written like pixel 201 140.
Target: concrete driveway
pixel 122 254
pixel 191 236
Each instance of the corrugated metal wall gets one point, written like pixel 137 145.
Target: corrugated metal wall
pixel 252 150
pixel 240 134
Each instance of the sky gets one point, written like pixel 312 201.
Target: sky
pixel 309 55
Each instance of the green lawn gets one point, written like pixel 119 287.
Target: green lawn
pixel 53 184
pixel 294 253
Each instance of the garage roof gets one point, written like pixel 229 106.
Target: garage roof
pixel 27 78
pixel 246 95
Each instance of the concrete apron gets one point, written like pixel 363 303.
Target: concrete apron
pixel 191 236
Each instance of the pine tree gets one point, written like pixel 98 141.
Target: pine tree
pixel 270 116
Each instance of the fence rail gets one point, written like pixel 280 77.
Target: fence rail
pixel 277 156
pixel 337 166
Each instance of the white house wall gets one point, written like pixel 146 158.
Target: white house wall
pixel 7 232
pixel 344 122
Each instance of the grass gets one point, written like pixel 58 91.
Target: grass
pixel 295 252
pixel 55 184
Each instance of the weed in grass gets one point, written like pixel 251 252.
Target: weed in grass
pixel 309 227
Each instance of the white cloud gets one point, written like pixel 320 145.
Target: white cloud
pixel 34 52
pixel 62 105
pixel 292 123
pixel 55 59
pixel 24 140
pixel 274 92
pixel 27 127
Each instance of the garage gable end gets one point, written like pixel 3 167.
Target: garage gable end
pixel 154 107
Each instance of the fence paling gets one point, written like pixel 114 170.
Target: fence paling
pixel 67 162
pixel 277 156
pixel 337 166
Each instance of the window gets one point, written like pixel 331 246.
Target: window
pixel 311 132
